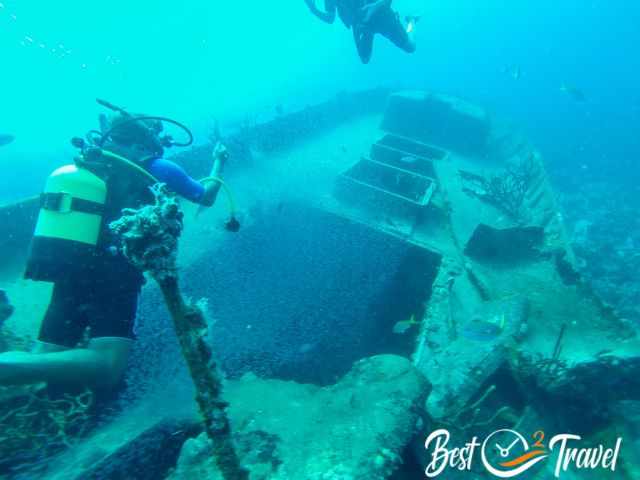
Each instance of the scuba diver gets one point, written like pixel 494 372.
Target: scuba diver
pixel 366 18
pixel 88 329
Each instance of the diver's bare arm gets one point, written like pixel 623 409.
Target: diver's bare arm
pixel 213 183
pixel 218 167
pixel 329 15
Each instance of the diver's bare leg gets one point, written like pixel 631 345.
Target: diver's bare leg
pixel 391 27
pixel 100 365
pixel 364 42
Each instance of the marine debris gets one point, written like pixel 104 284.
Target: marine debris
pixel 36 425
pixel 149 239
pixel 574 92
pixel 557 349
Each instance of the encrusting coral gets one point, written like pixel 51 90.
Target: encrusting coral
pixel 149 238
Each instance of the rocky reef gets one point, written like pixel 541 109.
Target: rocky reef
pixel 606 239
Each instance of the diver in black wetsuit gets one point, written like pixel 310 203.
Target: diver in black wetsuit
pixel 366 18
pixel 95 295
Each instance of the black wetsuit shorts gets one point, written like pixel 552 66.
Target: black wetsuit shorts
pixel 100 300
pixel 388 24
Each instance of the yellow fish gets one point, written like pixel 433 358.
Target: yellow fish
pixel 404 326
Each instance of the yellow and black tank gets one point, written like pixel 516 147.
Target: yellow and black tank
pixel 69 223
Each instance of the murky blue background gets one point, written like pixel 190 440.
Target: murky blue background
pixel 203 59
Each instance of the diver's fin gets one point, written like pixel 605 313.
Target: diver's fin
pixel 413 18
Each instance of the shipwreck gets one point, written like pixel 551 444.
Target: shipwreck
pixel 403 267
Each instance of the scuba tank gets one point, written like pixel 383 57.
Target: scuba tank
pixel 69 223
pixel 77 198
pixel 77 202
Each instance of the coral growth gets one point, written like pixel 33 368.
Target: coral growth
pixel 37 426
pixel 538 371
pixel 507 189
pixel 149 236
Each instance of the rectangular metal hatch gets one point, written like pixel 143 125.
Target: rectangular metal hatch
pixel 411 147
pixel 384 189
pixel 397 179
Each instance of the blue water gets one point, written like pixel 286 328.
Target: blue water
pixel 227 60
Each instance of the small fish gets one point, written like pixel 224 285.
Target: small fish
pixel 513 72
pixel 404 326
pixel 516 73
pixel 575 93
pixel 484 330
pixel 306 348
pixel 605 352
pixel 389 221
pixel 6 139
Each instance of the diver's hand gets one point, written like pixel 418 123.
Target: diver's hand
pixel 310 3
pixel 220 153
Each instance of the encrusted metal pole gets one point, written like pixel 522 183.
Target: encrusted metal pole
pixel 149 238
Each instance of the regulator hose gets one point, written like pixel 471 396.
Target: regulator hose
pixel 231 225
